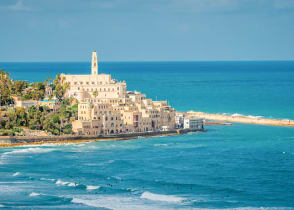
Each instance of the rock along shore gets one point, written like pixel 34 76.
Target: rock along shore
pixel 14 141
pixel 242 119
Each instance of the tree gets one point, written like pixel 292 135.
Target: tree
pixel 60 87
pixel 19 86
pixel 5 88
pixel 95 93
pixel 47 81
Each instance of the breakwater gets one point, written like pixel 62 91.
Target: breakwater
pixel 241 119
pixel 11 141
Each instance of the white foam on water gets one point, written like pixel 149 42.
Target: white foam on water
pixel 254 117
pixel 242 115
pixel 34 150
pixel 117 178
pixel 46 179
pixel 33 194
pixel 2 206
pixel 159 145
pixel 92 187
pixel 237 115
pixel 13 182
pixel 16 174
pixel 160 197
pixel 260 208
pixel 59 182
pixel 115 202
pixel 71 184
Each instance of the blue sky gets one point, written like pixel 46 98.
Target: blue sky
pixel 146 30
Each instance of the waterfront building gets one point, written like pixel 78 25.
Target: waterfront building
pixel 106 107
pixel 193 123
pixel 179 120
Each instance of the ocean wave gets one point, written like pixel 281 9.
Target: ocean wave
pixel 63 183
pixel 114 202
pixel 46 179
pixel 160 197
pixel 34 150
pixel 159 145
pixel 92 187
pixel 261 208
pixel 241 115
pixel 13 182
pixel 16 174
pixel 33 194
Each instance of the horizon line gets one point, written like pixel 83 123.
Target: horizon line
pixel 163 61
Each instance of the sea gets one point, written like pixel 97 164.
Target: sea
pixel 240 166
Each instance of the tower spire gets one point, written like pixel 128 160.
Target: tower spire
pixel 94 67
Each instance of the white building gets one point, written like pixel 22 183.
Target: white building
pixel 193 123
pixel 179 119
pixel 88 85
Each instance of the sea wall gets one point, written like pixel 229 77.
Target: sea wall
pixel 242 119
pixel 6 140
pixel 23 140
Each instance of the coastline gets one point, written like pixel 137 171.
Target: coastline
pixel 242 119
pixel 18 141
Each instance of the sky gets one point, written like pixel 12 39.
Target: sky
pixel 146 30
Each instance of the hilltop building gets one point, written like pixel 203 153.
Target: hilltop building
pixel 106 107
pixel 86 85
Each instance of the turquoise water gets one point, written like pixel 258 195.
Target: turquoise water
pixel 239 166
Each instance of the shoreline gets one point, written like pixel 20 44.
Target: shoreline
pixel 19 141
pixel 242 119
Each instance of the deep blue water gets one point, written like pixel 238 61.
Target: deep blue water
pixel 239 166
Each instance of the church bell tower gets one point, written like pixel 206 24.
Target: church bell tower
pixel 94 67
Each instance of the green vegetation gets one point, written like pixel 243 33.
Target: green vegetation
pixel 95 93
pixel 59 87
pixel 5 89
pixel 23 89
pixel 55 122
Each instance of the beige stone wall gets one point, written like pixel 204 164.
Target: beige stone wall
pixel 105 86
pixel 117 110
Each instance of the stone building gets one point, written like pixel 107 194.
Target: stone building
pixel 106 107
pixel 102 84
